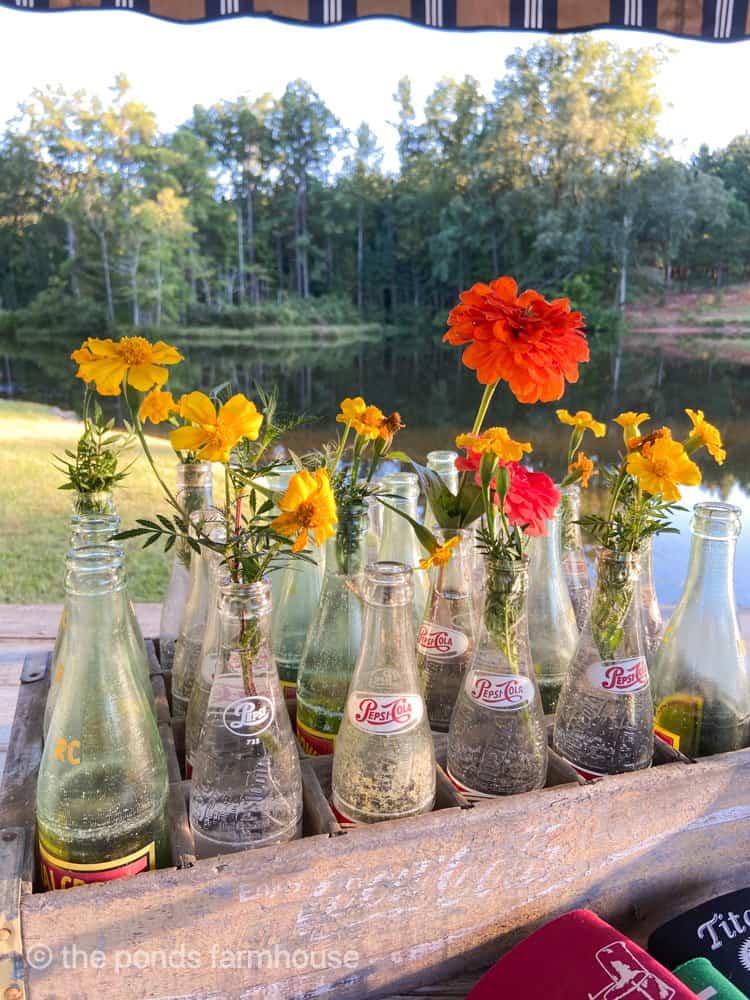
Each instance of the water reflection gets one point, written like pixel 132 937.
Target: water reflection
pixel 413 372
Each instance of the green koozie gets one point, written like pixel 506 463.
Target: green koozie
pixel 706 981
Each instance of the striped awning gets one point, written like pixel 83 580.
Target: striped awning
pixel 716 20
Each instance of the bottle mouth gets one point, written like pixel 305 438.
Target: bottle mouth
pixel 388 583
pixel 256 596
pixel 442 461
pixel 716 521
pixel 445 534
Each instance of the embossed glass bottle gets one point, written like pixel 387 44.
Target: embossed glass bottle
pixel 444 463
pixel 398 542
pixel 497 743
pixel 651 619
pixel 102 786
pixel 195 492
pixel 604 722
pixel 333 639
pixel 295 607
pixel 445 643
pixel 247 783
pixel 573 557
pixel 384 759
pixel 552 623
pixel 193 625
pixel 700 676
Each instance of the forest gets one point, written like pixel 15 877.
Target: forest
pixel 264 209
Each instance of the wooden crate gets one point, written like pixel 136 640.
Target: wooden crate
pixel 372 911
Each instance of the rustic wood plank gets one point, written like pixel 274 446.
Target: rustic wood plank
pixel 40 621
pixel 420 899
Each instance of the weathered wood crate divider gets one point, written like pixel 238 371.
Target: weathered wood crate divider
pixel 366 912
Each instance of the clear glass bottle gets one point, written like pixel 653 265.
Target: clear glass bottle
pixel 94 532
pixel 194 492
pixel 384 759
pixel 574 562
pixel 94 503
pixel 193 625
pixel 604 722
pixel 247 783
pixel 651 619
pixel 102 786
pixel 552 621
pixel 497 743
pixel 299 589
pixel 444 464
pixel 445 643
pixel 398 542
pixel 210 650
pixel 700 676
pixel 333 639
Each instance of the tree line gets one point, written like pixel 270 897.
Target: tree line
pixel 559 176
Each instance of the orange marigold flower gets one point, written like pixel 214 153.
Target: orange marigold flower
pixel 705 434
pixel 307 506
pixel 390 426
pixel 582 420
pixel 532 344
pixel 661 466
pixel 441 556
pixel 157 407
pixel 583 468
pixel 630 421
pixel 496 440
pixel 369 424
pixel 351 410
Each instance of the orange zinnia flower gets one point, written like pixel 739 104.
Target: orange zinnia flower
pixel 532 344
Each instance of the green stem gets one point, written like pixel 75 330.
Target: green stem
pixel 489 392
pixel 136 421
pixel 340 449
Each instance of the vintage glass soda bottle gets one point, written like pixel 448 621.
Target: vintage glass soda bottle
pixel 384 759
pixel 444 463
pixel 497 743
pixel 398 542
pixel 604 722
pixel 299 588
pixel 700 677
pixel 552 632
pixel 193 625
pixel 574 563
pixel 102 786
pixel 194 492
pixel 101 502
pixel 247 783
pixel 445 643
pixel 651 619
pixel 332 643
pixel 210 650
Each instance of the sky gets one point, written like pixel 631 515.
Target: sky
pixel 354 67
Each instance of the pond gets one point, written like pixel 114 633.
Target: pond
pixel 415 373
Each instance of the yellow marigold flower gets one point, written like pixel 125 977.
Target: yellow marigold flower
pixel 630 421
pixel 496 440
pixel 157 407
pixel 215 432
pixel 584 467
pixel 370 423
pixel 351 410
pixel 706 434
pixel 442 554
pixel 583 420
pixel 307 506
pixel 660 467
pixel 106 363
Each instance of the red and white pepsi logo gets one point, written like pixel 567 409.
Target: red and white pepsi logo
pixel 385 713
pixel 440 643
pixel 620 677
pixel 501 692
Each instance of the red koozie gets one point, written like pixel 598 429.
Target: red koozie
pixel 579 957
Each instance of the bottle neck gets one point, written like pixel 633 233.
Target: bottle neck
pixel 195 485
pixel 388 651
pixel 454 580
pixel 398 541
pixel 245 616
pixel 346 551
pixel 94 503
pixel 710 575
pixel 568 513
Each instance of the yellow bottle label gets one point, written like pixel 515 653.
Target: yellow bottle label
pixel 681 715
pixel 671 739
pixel 313 742
pixel 59 874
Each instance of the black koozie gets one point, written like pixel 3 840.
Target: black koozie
pixel 718 930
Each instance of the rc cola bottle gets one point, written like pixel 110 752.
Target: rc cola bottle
pixel 102 787
pixel 552 630
pixel 194 492
pixel 604 722
pixel 444 464
pixel 573 556
pixel 247 783
pixel 446 637
pixel 384 759
pixel 700 676
pixel 399 542
pixel 333 639
pixel 497 743
pixel 193 626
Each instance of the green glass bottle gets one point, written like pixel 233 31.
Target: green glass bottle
pixel 102 787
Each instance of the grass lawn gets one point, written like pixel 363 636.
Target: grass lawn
pixel 35 515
